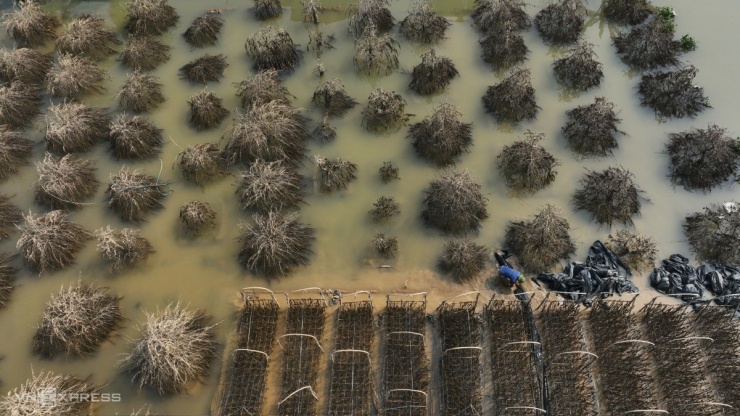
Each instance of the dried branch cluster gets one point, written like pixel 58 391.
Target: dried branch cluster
pixel 272 48
pixel 25 65
pixel 10 215
pixel 135 138
pixel 648 46
pixel 204 30
pixel 150 17
pixel 384 111
pixel 15 151
pixel 526 165
pixel 271 131
pixel 713 233
pixel 89 36
pixel 591 129
pixel 72 396
pixel 30 26
pixel 331 96
pixel 561 22
pixel 702 159
pixel 19 104
pixel 7 275
pixel 376 54
pixel 197 217
pixel 334 174
pixel 75 76
pixel 77 321
pixel 503 48
pixel 50 241
pixel 262 88
pixel 489 15
pixel 206 110
pixel 275 244
pixel 541 242
pixel 65 182
pixel 637 251
pixel 610 195
pixel 385 208
pixel 269 186
pixel 422 24
pixel 388 172
pixel 133 195
pixel 433 74
pixel 370 13
pixel 579 71
pixel 673 93
pixel 385 246
pixel 454 204
pixel 267 9
pixel 632 12
pixel 442 137
pixel 124 249
pixel 512 100
pixel 204 69
pixel 144 53
pixel 201 163
pixel 463 259
pixel 74 127
pixel 140 93
pixel 176 348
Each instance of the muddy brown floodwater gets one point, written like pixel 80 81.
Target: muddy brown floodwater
pixel 204 273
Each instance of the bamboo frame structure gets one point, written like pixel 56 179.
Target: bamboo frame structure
pixel 244 391
pixel 406 366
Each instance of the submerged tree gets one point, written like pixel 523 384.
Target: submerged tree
pixel 15 151
pixel 579 71
pixel 271 131
pixel 632 12
pixel 433 74
pixel 512 100
pixel 135 138
pixel 561 22
pixel 25 65
pixel 454 204
pixel 375 54
pixel 197 217
pixel 28 25
pixel 204 69
pixel 503 48
pixel 370 12
pixel 701 159
pixel 713 234
pixel 74 127
pixel 269 186
pixel 334 174
pixel 610 195
pixel 463 259
pixel 388 172
pixel 492 14
pixel 74 76
pixel 384 208
pixel 672 93
pixel 150 17
pixel 272 48
pixel 541 242
pixel 384 111
pixel 318 42
pixel 72 396
pixel 204 30
pixel 140 93
pixel 201 163
pixel 311 10
pixel 262 88
pixel 385 246
pixel 275 244
pixel 442 137
pixel 267 9
pixel 591 129
pixel 89 36
pixel 65 182
pixel 422 24
pixel 77 321
pixel 649 46
pixel 144 53
pixel 133 195
pixel 206 110
pixel 19 104
pixel 637 251
pixel 526 165
pixel 176 348
pixel 50 241
pixel 331 96
pixel 123 249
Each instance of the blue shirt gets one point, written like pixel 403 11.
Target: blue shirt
pixel 509 273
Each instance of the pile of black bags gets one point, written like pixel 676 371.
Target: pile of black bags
pixel 676 277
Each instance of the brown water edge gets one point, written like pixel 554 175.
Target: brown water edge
pixel 205 274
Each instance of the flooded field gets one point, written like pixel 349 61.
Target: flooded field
pixel 204 272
